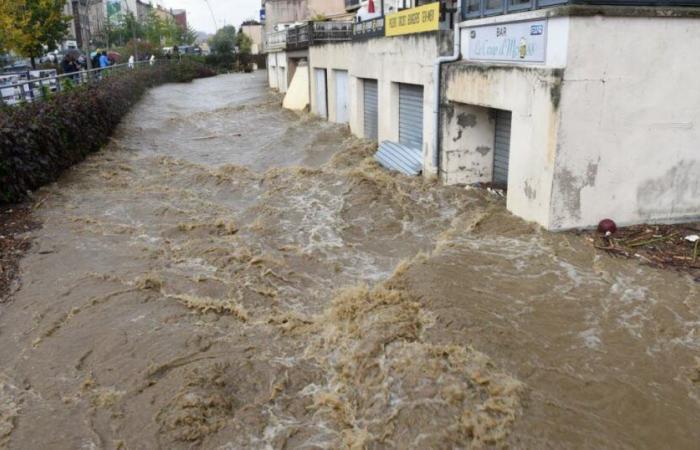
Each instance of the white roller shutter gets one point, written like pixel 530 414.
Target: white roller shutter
pixel 342 107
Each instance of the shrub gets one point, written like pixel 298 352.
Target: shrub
pixel 39 140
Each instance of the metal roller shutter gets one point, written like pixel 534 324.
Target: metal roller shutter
pixel 321 97
pixel 371 108
pixel 501 154
pixel 411 115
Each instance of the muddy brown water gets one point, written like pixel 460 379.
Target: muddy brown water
pixel 226 274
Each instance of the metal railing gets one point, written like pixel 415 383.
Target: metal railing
pixel 299 37
pixel 332 31
pixel 20 88
pixel 276 40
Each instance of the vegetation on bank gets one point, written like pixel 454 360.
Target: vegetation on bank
pixel 39 140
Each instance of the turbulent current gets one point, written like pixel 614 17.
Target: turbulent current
pixel 227 274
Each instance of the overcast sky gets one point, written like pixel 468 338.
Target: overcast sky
pixel 226 12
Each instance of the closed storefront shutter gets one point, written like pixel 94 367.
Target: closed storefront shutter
pixel 411 116
pixel 502 148
pixel 321 97
pixel 371 108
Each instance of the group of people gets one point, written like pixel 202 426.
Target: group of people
pixel 101 60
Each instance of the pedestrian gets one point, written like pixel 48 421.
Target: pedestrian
pixel 152 60
pixel 67 65
pixel 131 62
pixel 104 61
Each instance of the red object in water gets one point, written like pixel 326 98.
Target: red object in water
pixel 370 7
pixel 607 227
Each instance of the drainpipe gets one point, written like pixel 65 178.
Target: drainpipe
pixel 436 76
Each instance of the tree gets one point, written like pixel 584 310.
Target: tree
pixel 224 40
pixel 244 44
pixel 189 36
pixel 27 27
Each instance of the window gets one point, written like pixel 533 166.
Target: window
pixel 517 5
pixel 471 8
pixel 493 7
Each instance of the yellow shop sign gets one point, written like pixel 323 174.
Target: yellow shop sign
pixel 414 20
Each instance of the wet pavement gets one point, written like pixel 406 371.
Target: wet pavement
pixel 227 274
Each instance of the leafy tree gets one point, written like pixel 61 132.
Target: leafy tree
pixel 224 41
pixel 27 27
pixel 244 44
pixel 188 36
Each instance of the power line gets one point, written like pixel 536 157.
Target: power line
pixel 213 17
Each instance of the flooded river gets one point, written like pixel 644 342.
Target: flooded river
pixel 226 274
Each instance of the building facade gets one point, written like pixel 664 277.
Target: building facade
pixel 580 112
pixel 564 107
pixel 254 30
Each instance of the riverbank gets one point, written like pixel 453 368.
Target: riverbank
pixel 16 222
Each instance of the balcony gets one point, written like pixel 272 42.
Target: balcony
pixel 276 41
pixel 310 33
pixel 352 5
pixel 332 31
pixel 485 8
pixel 298 37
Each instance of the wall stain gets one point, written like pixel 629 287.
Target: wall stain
pixel 674 194
pixel 466 120
pixel 483 150
pixel 569 187
pixel 530 192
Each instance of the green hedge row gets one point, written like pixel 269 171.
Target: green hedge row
pixel 39 140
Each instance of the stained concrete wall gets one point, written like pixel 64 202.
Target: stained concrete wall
pixel 467 148
pixel 284 11
pixel 607 126
pixel 532 95
pixel 629 141
pixel 405 59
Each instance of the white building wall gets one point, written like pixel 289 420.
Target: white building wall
pixel 531 94
pixel 607 126
pixel 629 141
pixel 406 59
pixel 277 75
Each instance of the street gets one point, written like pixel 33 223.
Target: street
pixel 229 274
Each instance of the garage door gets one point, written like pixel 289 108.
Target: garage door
pixel 281 79
pixel 321 97
pixel 411 115
pixel 371 108
pixel 342 107
pixel 502 148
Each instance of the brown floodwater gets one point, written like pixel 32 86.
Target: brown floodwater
pixel 226 274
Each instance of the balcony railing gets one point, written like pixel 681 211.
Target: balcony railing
pixel 298 37
pixel 276 40
pixel 484 8
pixel 310 33
pixel 332 31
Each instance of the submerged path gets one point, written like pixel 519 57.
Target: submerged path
pixel 226 274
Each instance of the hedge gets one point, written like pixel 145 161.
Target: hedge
pixel 40 140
